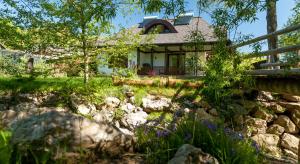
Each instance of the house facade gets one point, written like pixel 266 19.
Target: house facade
pixel 173 50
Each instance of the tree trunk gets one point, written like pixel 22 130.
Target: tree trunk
pixel 272 27
pixel 30 66
pixel 86 62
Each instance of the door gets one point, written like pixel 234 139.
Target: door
pixel 176 64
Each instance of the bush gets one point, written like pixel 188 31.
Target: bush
pixel 160 145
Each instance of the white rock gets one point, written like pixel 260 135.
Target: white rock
pixel 133 120
pixel 265 140
pixel 290 142
pixel 255 126
pixel 103 116
pixel 290 154
pixel 190 154
pixel 150 103
pixel 287 123
pixel 74 131
pixel 128 108
pixel 275 129
pixel 112 102
pixel 86 108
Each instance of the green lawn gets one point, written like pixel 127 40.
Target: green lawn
pixel 96 90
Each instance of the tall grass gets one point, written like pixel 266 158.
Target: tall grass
pixel 227 146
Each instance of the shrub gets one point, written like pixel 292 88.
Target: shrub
pixel 160 145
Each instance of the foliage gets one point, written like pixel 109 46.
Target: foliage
pixel 12 65
pixel 5 148
pixel 292 38
pixel 160 144
pixel 15 65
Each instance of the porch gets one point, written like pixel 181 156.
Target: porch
pixel 168 60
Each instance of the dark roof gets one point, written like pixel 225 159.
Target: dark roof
pixel 183 32
pixel 180 37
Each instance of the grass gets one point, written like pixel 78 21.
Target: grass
pixel 228 147
pixel 95 91
pixel 5 148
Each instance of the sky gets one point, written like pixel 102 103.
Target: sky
pixel 257 28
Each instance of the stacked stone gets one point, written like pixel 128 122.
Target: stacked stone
pixel 275 125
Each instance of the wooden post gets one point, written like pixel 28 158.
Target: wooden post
pixel 138 57
pixel 152 58
pixel 166 61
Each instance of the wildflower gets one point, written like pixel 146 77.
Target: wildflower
pixel 255 145
pixel 210 125
pixel 162 133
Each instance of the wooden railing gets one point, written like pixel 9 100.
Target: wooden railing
pixel 272 70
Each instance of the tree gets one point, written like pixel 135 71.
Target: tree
pixel 272 27
pixel 32 30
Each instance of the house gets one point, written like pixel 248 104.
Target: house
pixel 173 52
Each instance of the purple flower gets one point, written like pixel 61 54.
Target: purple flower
pixel 255 145
pixel 162 133
pixel 210 125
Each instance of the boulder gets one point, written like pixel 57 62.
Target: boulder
pixel 265 140
pixel 190 154
pixel 133 120
pixel 290 142
pixel 290 105
pixel 103 116
pixel 24 107
pixel 154 104
pixel 295 116
pixel 128 108
pixel 290 154
pixel 263 115
pixel 291 98
pixel 8 117
pixel 275 129
pixel 81 106
pixel 112 102
pixel 287 123
pixel 276 108
pixel 49 130
pixel 266 96
pixel 255 126
pixel 274 151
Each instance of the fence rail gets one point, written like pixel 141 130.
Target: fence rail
pixel 271 70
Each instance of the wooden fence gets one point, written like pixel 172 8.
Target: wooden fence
pixel 271 70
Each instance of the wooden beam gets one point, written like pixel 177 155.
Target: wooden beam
pixel 176 51
pixel 277 64
pixel 276 33
pixel 275 72
pixel 274 51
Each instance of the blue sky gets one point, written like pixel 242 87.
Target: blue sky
pixel 257 28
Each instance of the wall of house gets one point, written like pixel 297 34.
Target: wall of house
pixel 145 58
